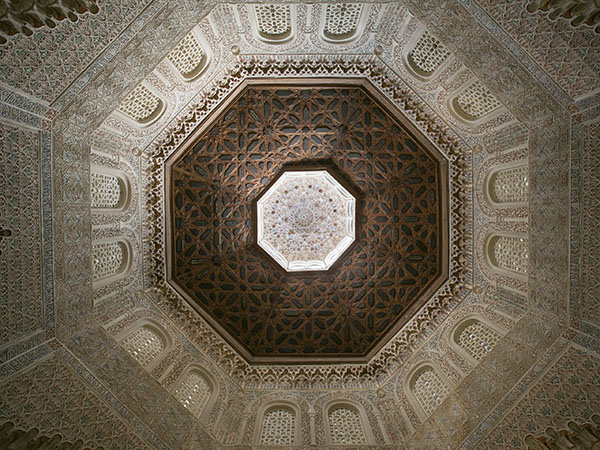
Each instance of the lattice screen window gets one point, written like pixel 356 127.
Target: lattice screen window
pixel 274 20
pixel 278 427
pixel 187 56
pixel 510 185
pixel 430 390
pixel 105 190
pixel 144 344
pixel 341 19
pixel 193 393
pixel 428 54
pixel 511 253
pixel 140 105
pixel 345 426
pixel 478 339
pixel 108 259
pixel 477 101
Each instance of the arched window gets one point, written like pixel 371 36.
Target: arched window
pixel 476 338
pixel 475 102
pixel 142 106
pixel 341 21
pixel 110 259
pixel 188 57
pixel 509 185
pixel 278 426
pixel 105 191
pixel 345 426
pixel 109 189
pixel 509 253
pixel 194 392
pixel 144 344
pixel 427 55
pixel 428 388
pixel 274 23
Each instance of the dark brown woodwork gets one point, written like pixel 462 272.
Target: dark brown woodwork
pixel 397 262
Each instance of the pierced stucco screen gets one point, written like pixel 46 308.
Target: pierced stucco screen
pixel 306 220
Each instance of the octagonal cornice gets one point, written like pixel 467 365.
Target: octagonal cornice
pixel 399 172
pixel 382 363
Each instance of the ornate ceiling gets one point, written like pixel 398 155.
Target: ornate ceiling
pixel 305 219
pixel 492 92
pixel 400 256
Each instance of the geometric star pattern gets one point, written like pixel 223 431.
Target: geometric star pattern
pixel 395 263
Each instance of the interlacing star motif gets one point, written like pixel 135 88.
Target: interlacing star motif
pixel 347 309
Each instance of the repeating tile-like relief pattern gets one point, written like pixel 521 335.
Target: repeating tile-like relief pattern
pixel 504 253
pixel 256 401
pixel 46 63
pixel 505 180
pixel 428 53
pixel 144 344
pixel 21 253
pixel 345 426
pixel 115 193
pixel 570 55
pixel 187 55
pixel 278 427
pixel 590 268
pixel 107 259
pixel 511 185
pixel 193 393
pixel 570 390
pixel 105 190
pixel 430 390
pixel 273 20
pixel 511 253
pixel 140 104
pixel 478 339
pixel 477 101
pixel 51 398
pixel 342 19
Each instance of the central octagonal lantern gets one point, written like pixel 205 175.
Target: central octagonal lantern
pixel 306 220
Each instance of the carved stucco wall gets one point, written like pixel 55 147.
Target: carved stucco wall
pixel 590 217
pixel 479 400
pixel 45 64
pixel 26 281
pixel 50 393
pixel 568 54
pixel 20 263
pixel 567 390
